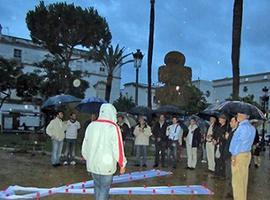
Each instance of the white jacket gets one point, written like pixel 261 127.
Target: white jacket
pixel 102 145
pixel 142 135
pixel 56 129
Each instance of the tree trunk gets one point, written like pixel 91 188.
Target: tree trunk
pixel 236 43
pixel 150 52
pixel 108 87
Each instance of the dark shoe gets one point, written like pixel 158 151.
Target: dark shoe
pixel 188 168
pixel 174 167
pixel 256 166
pixel 54 165
pixel 137 165
pixel 192 168
pixel 58 164
pixel 155 166
pixel 144 165
pixel 229 196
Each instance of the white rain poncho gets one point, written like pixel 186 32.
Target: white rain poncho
pixel 103 146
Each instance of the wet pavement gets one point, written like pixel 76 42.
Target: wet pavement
pixel 26 170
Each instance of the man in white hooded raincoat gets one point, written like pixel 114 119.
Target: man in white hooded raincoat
pixel 102 148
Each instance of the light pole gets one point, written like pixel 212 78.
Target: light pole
pixel 265 99
pixel 138 56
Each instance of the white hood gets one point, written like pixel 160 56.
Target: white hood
pixel 108 112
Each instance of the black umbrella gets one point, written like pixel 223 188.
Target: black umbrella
pixel 140 110
pixel 169 109
pixel 234 107
pixel 206 114
pixel 90 105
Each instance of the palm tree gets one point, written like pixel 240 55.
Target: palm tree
pixel 111 59
pixel 150 52
pixel 236 43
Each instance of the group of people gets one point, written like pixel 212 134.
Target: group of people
pixel 227 144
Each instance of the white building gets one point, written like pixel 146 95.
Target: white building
pixel 28 53
pixel 129 91
pixel 221 89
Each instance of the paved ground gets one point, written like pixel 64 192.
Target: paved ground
pixel 27 170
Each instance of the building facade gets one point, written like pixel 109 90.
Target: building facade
pixel 28 53
pixel 129 91
pixel 221 89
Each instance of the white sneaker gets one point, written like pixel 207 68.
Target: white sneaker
pixel 73 163
pixel 65 163
pixel 204 161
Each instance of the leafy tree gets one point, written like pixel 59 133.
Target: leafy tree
pixel 10 70
pixel 28 86
pixel 150 52
pixel 56 79
pixel 60 27
pixel 236 43
pixel 112 59
pixel 124 103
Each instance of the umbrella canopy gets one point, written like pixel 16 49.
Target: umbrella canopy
pixel 234 107
pixel 128 119
pixel 169 109
pixel 90 105
pixel 206 114
pixel 59 100
pixel 140 110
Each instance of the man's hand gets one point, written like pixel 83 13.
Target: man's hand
pixel 233 161
pixel 122 170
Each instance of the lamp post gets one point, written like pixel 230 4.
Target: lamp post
pixel 265 99
pixel 138 56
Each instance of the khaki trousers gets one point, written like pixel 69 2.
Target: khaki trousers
pixel 191 155
pixel 210 152
pixel 240 176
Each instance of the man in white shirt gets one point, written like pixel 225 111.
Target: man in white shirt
pixel 175 133
pixel 71 137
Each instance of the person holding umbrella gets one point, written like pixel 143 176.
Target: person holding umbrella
pixel 123 127
pixel 240 148
pixel 56 130
pixel 220 144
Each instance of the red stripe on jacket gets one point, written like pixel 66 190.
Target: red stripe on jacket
pixel 120 142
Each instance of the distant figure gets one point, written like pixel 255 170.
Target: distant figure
pixel 256 148
pixel 160 138
pixel 102 148
pixel 175 134
pixel 92 118
pixel 210 146
pixel 240 148
pixel 123 127
pixel 71 137
pixel 192 139
pixel 142 132
pixel 56 130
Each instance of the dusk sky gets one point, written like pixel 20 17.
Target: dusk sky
pixel 201 29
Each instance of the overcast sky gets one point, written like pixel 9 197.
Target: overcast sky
pixel 201 29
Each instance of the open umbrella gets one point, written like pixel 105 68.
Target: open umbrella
pixel 234 107
pixel 128 119
pixel 140 110
pixel 59 100
pixel 206 114
pixel 90 105
pixel 169 109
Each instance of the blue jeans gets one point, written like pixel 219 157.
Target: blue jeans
pixel 172 152
pixel 70 149
pixel 141 151
pixel 102 185
pixel 57 147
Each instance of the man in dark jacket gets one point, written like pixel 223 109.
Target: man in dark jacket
pixel 123 127
pixel 220 145
pixel 159 133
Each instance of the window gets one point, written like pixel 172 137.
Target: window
pixel 245 89
pixel 79 65
pixel 102 69
pixel 17 53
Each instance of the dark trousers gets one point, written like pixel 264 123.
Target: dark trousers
pixel 160 147
pixel 220 167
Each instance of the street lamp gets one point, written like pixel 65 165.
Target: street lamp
pixel 138 56
pixel 265 99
